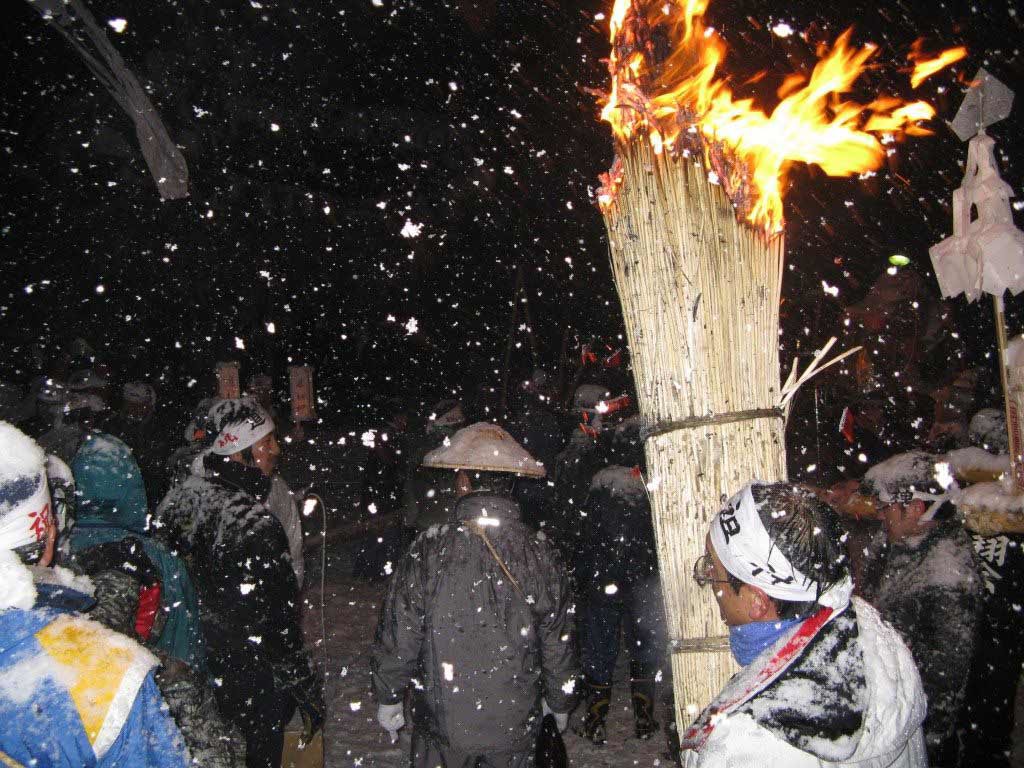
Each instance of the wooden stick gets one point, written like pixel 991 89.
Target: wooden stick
pixel 1012 416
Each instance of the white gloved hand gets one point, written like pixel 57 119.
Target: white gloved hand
pixel 391 718
pixel 561 719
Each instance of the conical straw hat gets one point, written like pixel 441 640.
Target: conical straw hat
pixel 485 447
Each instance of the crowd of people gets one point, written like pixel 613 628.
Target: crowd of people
pixel 149 604
pixel 150 590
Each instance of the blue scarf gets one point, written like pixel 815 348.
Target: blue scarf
pixel 748 640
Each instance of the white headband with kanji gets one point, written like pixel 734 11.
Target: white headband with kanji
pixel 748 553
pixel 25 517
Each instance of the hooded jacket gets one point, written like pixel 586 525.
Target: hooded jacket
pixel 73 693
pixel 479 651
pixel 112 507
pixel 838 689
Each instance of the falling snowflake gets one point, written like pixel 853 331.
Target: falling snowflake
pixel 118 25
pixel 410 229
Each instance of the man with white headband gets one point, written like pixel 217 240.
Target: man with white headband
pixel 920 574
pixel 236 550
pixel 825 682
pixel 72 692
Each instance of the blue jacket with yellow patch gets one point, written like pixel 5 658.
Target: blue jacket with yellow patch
pixel 74 694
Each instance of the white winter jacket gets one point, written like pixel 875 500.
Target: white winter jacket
pixel 840 689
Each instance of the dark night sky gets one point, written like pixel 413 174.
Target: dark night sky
pixel 469 119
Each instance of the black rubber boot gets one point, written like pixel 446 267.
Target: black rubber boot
pixel 599 699
pixel 643 708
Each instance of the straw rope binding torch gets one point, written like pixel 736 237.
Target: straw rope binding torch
pixel 693 210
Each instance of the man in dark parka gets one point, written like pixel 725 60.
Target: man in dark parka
pixel 477 620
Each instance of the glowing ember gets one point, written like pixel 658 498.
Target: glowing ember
pixel 925 66
pixel 666 86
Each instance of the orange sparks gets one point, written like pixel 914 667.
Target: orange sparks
pixel 675 96
pixel 925 67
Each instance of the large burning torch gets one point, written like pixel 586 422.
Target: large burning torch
pixel 693 209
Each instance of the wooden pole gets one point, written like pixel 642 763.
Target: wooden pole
pixel 700 297
pixel 1009 401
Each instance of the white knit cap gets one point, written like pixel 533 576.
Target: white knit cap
pixel 240 423
pixel 24 494
pixel 746 550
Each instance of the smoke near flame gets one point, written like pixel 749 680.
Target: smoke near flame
pixel 666 86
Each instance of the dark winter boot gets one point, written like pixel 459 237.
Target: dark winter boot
pixel 599 699
pixel 643 708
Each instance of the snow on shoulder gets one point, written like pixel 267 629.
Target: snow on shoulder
pixel 967 461
pixel 17 590
pixel 622 482
pixel 484 447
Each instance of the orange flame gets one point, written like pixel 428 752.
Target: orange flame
pixel 926 67
pixel 681 103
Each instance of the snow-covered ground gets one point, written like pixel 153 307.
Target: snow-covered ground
pixel 352 736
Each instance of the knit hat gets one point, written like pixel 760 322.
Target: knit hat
pixel 988 430
pixel 24 495
pixel 139 392
pixel 447 414
pixel 907 476
pixel 587 396
pixel 238 424
pixel 485 447
pixel 76 401
pixel 52 392
pixel 86 379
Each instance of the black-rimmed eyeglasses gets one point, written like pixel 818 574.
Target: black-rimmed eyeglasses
pixel 704 571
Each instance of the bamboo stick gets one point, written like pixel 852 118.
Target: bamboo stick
pixel 700 295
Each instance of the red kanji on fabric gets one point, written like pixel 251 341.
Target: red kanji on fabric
pixel 38 522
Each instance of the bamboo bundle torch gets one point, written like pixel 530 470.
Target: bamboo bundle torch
pixel 693 212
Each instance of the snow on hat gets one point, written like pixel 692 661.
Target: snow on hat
pixel 988 430
pixel 238 424
pixel 748 552
pixel 79 402
pixel 907 476
pixel 537 381
pixel 485 447
pixel 447 413
pixel 52 392
pixel 139 392
pixel 24 495
pixel 86 378
pixel 589 395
